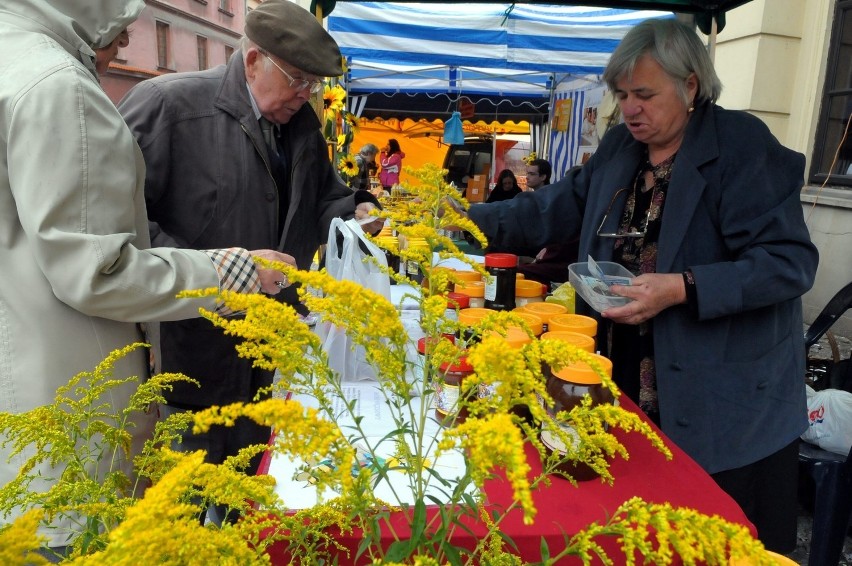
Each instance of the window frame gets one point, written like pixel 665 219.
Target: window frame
pixel 819 172
pixel 163 33
pixel 202 52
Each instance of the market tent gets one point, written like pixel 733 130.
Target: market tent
pixel 508 55
pixel 421 140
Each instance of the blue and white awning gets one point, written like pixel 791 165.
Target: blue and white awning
pixel 489 49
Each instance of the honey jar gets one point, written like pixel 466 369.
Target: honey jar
pixel 448 392
pixel 567 387
pixel 574 323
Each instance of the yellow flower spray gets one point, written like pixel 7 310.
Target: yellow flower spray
pixel 492 437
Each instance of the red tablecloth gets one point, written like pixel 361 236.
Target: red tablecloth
pixel 565 509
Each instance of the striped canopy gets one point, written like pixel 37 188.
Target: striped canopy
pixel 482 49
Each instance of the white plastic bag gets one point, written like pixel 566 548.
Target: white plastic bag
pixel 830 420
pixel 347 262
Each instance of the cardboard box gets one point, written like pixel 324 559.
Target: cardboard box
pixel 476 189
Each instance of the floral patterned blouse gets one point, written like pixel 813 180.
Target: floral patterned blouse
pixel 631 347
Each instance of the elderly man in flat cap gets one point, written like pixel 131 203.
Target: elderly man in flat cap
pixel 235 157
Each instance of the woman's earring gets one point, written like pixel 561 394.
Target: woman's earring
pixel 691 108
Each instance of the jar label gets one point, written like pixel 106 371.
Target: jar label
pixel 551 439
pixel 446 398
pixel 487 390
pixel 490 288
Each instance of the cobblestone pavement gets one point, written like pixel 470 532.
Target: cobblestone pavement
pixel 803 544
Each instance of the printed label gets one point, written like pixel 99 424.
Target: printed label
pixel 551 439
pixel 446 398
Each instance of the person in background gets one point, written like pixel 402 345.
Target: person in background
pixel 235 156
pixel 105 55
pixel 538 174
pixel 366 161
pixel 506 187
pixel 390 160
pixel 550 264
pixel 79 268
pixel 702 205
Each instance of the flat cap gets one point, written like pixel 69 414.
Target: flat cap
pixel 293 34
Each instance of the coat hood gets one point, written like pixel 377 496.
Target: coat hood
pixel 78 25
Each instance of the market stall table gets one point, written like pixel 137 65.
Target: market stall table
pixel 564 509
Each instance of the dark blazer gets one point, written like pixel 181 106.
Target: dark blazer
pixel 731 380
pixel 209 184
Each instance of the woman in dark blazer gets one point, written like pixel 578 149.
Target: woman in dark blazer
pixel 702 205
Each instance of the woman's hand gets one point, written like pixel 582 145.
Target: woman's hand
pixel 651 294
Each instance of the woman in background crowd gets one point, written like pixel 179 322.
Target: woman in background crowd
pixel 391 161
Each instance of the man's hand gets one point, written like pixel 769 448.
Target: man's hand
pixel 363 212
pixel 651 294
pixel 271 280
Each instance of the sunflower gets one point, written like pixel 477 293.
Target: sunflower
pixel 530 158
pixel 342 141
pixel 333 98
pixel 348 166
pixel 351 121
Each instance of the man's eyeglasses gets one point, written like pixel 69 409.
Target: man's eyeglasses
pixel 297 84
pixel 621 234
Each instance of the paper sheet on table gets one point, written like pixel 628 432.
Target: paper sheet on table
pixel 377 420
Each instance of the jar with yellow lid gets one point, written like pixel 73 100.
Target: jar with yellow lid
pixel 469 318
pixel 545 311
pixel 533 321
pixel 574 323
pixel 389 242
pixel 567 387
pixel 412 268
pixel 473 289
pixel 448 392
pixel 516 338
pixel 467 275
pixel 528 291
pixel 582 341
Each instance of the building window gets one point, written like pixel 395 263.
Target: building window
pixel 225 6
pixel 201 46
pixel 163 45
pixel 832 157
pixel 228 52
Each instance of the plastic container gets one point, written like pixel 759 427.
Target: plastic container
pixel 448 390
pixel 473 289
pixel 528 291
pixel 592 290
pixel 567 387
pixel 574 323
pixel 500 286
pixel 545 311
pixel 582 341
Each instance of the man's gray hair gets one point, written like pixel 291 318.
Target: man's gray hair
pixel 676 48
pixel 369 149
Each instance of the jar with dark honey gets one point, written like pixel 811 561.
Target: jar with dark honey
pixel 448 392
pixel 567 387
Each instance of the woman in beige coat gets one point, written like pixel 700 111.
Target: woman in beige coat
pixel 77 269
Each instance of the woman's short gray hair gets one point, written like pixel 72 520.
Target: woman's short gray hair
pixel 676 48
